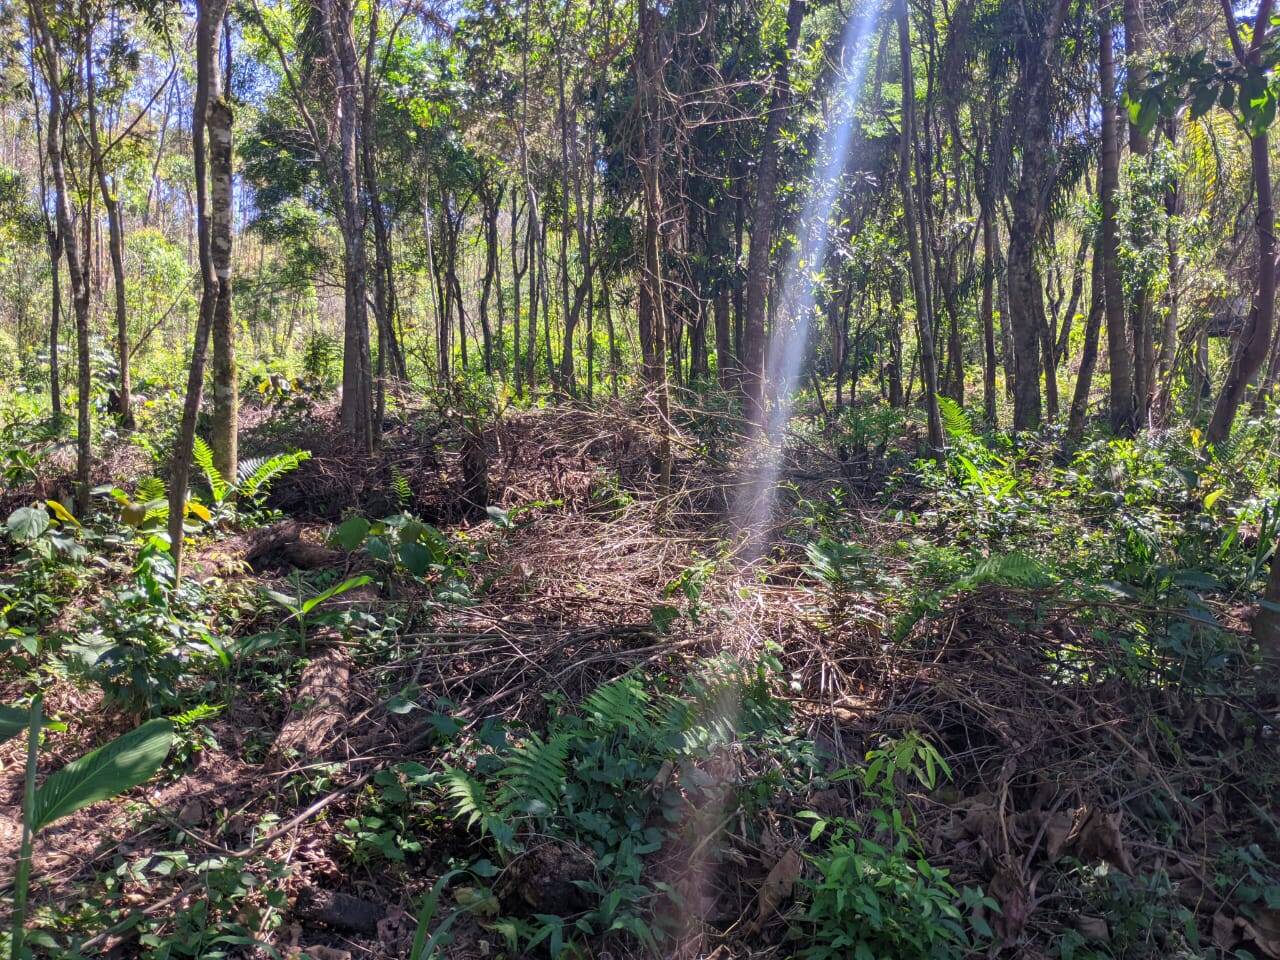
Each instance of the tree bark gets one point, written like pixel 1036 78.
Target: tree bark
pixel 762 222
pixel 115 231
pixel 208 22
pixel 1025 303
pixel 356 411
pixel 76 255
pixel 1121 361
pixel 906 156
pixel 1251 350
pixel 226 384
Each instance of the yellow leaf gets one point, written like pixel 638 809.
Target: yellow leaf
pixel 1212 498
pixel 200 510
pixel 1195 436
pixel 61 512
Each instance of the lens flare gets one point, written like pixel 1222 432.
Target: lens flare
pixel 798 294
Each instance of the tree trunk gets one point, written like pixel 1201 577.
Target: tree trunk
pixel 1251 351
pixel 906 156
pixel 226 385
pixel 1121 396
pixel 651 276
pixel 1089 354
pixel 356 411
pixel 76 255
pixel 762 219
pixel 1025 303
pixel 115 230
pixel 208 21
pixel 987 314
pixel 1139 146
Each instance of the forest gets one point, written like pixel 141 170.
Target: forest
pixel 596 479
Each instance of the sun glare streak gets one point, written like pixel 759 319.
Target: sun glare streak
pixel 789 339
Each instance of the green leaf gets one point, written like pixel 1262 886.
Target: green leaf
pixel 416 557
pixel 663 616
pixel 111 769
pixel 335 591
pixel 13 720
pixel 27 523
pixel 351 533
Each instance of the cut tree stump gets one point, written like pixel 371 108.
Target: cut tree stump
pixel 319 709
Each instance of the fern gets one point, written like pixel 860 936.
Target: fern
pixel 624 703
pixel 468 796
pixel 258 473
pixel 534 777
pixel 203 456
pixel 954 420
pixel 400 487
pixel 149 490
pixel 1010 569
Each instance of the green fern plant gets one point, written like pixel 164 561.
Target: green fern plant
pixel 1013 569
pixel 954 420
pixel 254 475
pixel 621 704
pixel 400 487
pixel 534 777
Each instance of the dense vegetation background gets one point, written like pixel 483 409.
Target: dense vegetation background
pixel 639 477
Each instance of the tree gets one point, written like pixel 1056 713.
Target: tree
pixel 210 134
pixel 75 247
pixel 762 221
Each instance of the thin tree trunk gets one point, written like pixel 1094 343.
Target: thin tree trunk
pixel 115 230
pixel 1139 147
pixel 208 21
pixel 762 220
pixel 356 411
pixel 1251 351
pixel 76 256
pixel 906 155
pixel 1089 354
pixel 1122 410
pixel 226 385
pixel 987 314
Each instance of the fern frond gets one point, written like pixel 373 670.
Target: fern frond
pixel 258 473
pixel 623 703
pixel 400 487
pixel 203 457
pixel 149 490
pixel 954 420
pixel 534 777
pixel 1010 569
pixel 468 796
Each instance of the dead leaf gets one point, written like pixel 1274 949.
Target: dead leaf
pixel 1264 931
pixel 1056 835
pixel 1093 928
pixel 326 953
pixel 1097 837
pixel 1010 891
pixel 777 887
pixel 1224 931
